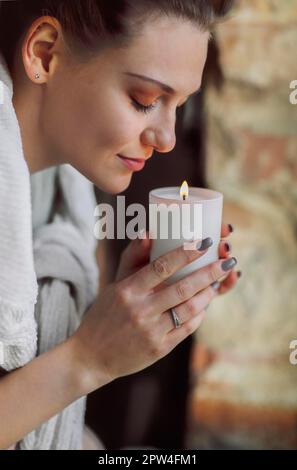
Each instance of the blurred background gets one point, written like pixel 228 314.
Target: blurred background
pixel 231 385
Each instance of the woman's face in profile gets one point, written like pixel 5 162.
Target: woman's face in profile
pixel 93 112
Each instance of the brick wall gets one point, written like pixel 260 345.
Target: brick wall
pixel 244 391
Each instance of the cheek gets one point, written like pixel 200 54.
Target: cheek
pixel 67 122
pixel 80 121
pixel 117 123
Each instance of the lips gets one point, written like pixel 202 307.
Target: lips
pixel 134 164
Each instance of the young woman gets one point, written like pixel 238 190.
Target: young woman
pixel 96 85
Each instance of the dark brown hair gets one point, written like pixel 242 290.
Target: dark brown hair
pixel 90 25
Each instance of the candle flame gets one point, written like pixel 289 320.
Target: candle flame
pixel 184 190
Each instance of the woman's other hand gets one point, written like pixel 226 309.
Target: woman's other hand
pixel 129 327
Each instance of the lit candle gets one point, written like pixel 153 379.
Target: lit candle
pixel 178 215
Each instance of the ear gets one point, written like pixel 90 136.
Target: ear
pixel 40 47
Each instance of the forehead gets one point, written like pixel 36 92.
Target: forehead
pixel 170 50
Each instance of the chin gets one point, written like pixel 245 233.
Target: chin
pixel 113 185
pixel 120 188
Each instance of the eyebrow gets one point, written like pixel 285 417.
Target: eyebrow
pixel 166 88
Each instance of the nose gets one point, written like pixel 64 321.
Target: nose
pixel 162 138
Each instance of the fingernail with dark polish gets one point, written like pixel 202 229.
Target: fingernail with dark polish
pixel 228 264
pixel 239 274
pixel 231 227
pixel 227 247
pixel 206 243
pixel 215 285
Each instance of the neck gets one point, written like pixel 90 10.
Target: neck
pixel 27 100
pixel 27 115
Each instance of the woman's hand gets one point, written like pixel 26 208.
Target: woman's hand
pixel 224 252
pixel 129 327
pixel 137 254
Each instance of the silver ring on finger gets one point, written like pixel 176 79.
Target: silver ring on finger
pixel 176 320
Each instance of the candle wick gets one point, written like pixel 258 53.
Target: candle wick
pixel 184 197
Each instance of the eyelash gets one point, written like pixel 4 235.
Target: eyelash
pixel 146 109
pixel 141 108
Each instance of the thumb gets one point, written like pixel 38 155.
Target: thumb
pixel 139 249
pixel 136 255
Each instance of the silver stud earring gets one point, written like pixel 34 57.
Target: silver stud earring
pixel 37 75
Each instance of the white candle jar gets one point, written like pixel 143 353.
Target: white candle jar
pixel 206 202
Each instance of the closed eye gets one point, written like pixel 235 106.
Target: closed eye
pixel 146 109
pixel 142 108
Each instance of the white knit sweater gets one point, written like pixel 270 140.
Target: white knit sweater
pixel 57 262
pixel 18 284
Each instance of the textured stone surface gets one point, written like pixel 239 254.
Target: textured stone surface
pixel 259 315
pixel 267 11
pixel 249 53
pixel 255 143
pixel 258 43
pixel 244 387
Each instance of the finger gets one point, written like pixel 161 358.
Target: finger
pixel 188 310
pixel 141 253
pixel 190 285
pixel 226 230
pixel 224 249
pixel 177 335
pixel 151 275
pixel 136 254
pixel 229 282
pixel 223 253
